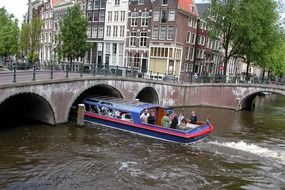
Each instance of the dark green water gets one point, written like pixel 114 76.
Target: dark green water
pixel 246 151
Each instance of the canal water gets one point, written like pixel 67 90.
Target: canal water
pixel 246 151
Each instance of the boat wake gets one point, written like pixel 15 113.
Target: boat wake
pixel 254 149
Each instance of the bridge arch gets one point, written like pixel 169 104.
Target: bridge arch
pixel 27 105
pixel 148 94
pixel 95 90
pixel 247 101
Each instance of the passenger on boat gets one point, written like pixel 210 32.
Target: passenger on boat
pixel 183 124
pixel 180 118
pixel 193 118
pixel 165 120
pixel 151 118
pixel 144 116
pixel 174 122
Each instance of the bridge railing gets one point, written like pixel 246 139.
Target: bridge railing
pixel 51 71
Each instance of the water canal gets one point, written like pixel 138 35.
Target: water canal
pixel 246 150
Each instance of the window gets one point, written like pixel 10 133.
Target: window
pixel 123 17
pixel 108 48
pixel 156 16
pixel 200 54
pixel 162 33
pixel 88 32
pixel 143 39
pixel 102 16
pixel 117 2
pixel 116 15
pixel 171 16
pixel 193 38
pixel 163 16
pixel 187 53
pixel 89 6
pixel 108 31
pixel 164 2
pixel 96 16
pixel 133 39
pixel 122 31
pixel 109 15
pixel 114 49
pixel 96 3
pixel 134 18
pixel 101 31
pixel 140 2
pixel 103 4
pixel 170 67
pixel 155 32
pixel 129 59
pixel 188 38
pixel 136 60
pixel 94 31
pixel 144 20
pixel 170 33
pixel 115 31
pixel 192 22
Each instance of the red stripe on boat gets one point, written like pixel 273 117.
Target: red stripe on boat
pixel 161 130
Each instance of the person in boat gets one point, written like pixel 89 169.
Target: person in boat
pixel 180 118
pixel 151 118
pixel 174 122
pixel 165 120
pixel 183 124
pixel 144 116
pixel 193 118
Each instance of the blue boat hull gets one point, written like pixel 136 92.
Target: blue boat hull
pixel 143 131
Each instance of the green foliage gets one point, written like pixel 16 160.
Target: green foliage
pixel 259 30
pixel 73 34
pixel 35 34
pixel 224 21
pixel 24 43
pixel 9 32
pixel 248 28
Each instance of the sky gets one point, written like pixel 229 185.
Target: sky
pixel 17 7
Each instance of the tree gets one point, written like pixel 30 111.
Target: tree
pixel 24 43
pixel 223 19
pixel 73 34
pixel 35 34
pixel 9 32
pixel 257 31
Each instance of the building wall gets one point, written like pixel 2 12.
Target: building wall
pixel 95 12
pixel 116 19
pixel 46 14
pixel 138 35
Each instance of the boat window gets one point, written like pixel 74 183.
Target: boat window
pixel 127 117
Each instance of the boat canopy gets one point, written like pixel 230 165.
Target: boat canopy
pixel 122 104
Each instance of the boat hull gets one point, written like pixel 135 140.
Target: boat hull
pixel 148 130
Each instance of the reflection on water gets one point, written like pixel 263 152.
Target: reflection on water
pixel 246 150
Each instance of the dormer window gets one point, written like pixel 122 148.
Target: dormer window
pixel 164 2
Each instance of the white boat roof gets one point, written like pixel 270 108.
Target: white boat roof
pixel 122 104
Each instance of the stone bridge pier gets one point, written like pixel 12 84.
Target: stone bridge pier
pixel 51 101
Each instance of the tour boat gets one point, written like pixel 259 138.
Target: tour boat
pixel 126 115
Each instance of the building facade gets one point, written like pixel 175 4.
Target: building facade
pixel 116 18
pixel 46 49
pixel 138 36
pixel 95 12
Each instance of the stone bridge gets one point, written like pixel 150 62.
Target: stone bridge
pixel 50 101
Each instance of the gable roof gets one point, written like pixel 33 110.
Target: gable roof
pixel 185 5
pixel 202 8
